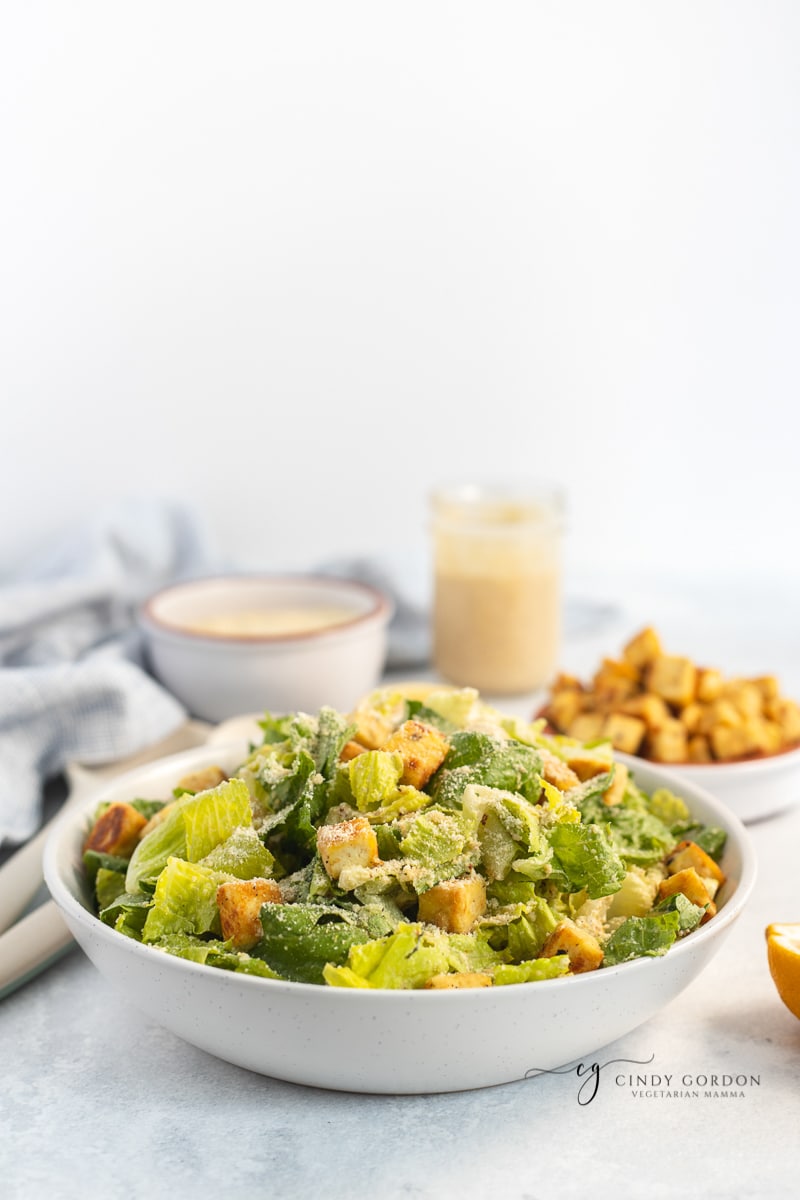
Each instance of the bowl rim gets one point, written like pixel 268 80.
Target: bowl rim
pixel 67 824
pixel 381 611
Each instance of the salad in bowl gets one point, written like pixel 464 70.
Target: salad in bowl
pixel 424 841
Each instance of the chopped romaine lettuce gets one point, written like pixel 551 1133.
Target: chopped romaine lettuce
pixel 639 937
pixel 434 837
pixel 530 972
pixel 689 915
pixel 540 853
pixel 299 939
pixel 408 958
pixel 108 885
pixel 584 858
pixel 668 807
pixel 191 829
pixel 93 860
pixel 185 901
pixel 242 855
pixel 374 778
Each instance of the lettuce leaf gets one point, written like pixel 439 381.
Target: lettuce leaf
pixel 299 939
pixel 108 885
pixel 479 758
pixel 93 860
pixel 640 937
pixel 640 837
pixel 508 827
pixel 530 972
pixel 434 838
pixel 530 931
pixel 291 832
pixel 667 807
pixel 707 837
pixel 584 858
pixel 127 913
pixel 406 959
pixel 191 830
pixel 689 915
pixel 374 778
pixel 333 731
pixel 214 954
pixel 185 901
pixel 242 855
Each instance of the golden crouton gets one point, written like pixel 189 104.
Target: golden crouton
pixel 650 707
pixel 239 902
pixel 422 749
pixel 557 772
pixel 766 735
pixel 347 844
pixel 721 712
pixel 587 727
pixel 699 749
pixel 709 684
pixel 787 714
pixel 616 793
pixel 351 750
pixel 624 733
pixel 615 681
pixel 689 854
pixel 463 979
pixel 588 761
pixel 566 683
pixel 371 729
pixel 642 649
pixel 670 743
pixel 116 831
pixel 691 716
pixel 201 781
pixel 745 697
pixel 768 686
pixel 673 678
pixel 688 711
pixel 583 950
pixel 564 708
pixel 728 742
pixel 689 884
pixel 454 905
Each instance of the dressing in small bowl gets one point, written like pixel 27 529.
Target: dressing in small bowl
pixel 236 644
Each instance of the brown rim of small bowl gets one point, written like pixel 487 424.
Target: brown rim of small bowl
pixel 382 606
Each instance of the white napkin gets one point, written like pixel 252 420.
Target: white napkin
pixel 72 685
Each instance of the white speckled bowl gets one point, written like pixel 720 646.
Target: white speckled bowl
pixel 219 676
pixel 384 1041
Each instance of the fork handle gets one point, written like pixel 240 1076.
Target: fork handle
pixel 34 942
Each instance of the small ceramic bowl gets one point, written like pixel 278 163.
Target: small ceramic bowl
pixel 752 788
pixel 246 643
pixel 377 1040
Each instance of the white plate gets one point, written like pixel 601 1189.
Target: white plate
pixel 384 1041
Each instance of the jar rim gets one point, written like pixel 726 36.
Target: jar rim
pixel 505 507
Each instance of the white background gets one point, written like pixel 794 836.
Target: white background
pixel 296 263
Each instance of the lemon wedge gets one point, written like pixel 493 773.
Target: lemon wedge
pixel 783 956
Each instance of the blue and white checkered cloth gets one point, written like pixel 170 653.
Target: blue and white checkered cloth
pixel 72 683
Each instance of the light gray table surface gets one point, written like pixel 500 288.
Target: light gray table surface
pixel 99 1101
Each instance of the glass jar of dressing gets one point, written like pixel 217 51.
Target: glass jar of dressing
pixel 497 586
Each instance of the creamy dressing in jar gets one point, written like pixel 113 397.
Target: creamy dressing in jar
pixel 497 591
